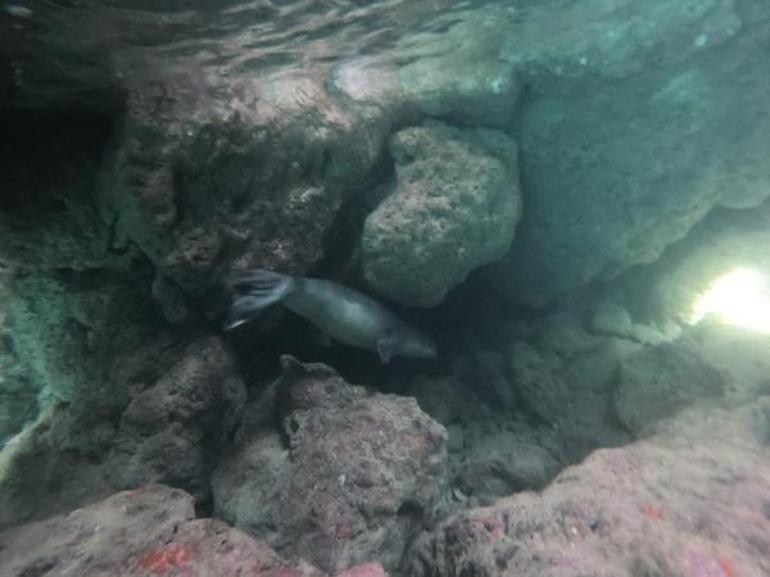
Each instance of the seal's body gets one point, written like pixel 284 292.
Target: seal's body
pixel 346 315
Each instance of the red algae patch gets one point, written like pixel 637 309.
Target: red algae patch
pixel 162 559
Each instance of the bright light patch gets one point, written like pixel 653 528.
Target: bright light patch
pixel 740 297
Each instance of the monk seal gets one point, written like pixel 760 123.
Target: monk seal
pixel 344 314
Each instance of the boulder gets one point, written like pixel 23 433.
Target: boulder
pixel 505 463
pixel 454 207
pixel 565 378
pixel 150 530
pixel 658 381
pixel 349 478
pixel 185 404
pixel 657 507
pixel 173 431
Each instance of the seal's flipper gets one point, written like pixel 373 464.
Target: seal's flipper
pixel 259 289
pixel 385 349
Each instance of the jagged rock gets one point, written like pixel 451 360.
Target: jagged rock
pixel 659 381
pixel 187 400
pixel 203 184
pixel 173 431
pixel 69 326
pixel 151 530
pixel 505 463
pixel 349 478
pixel 565 378
pixel 455 207
pixel 658 507
pixel 537 381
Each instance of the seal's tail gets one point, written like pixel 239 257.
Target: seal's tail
pixel 256 290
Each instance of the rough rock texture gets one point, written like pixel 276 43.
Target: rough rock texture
pixel 173 431
pixel 349 478
pixel 494 449
pixel 70 305
pixel 565 377
pixel 450 72
pixel 454 207
pixel 203 184
pixel 139 533
pixel 506 462
pixel 18 394
pixel 691 501
pixel 636 127
pixel 186 403
pixel 657 382
pixel 69 327
pixel 217 170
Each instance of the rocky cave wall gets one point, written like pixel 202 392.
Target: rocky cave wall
pixel 557 163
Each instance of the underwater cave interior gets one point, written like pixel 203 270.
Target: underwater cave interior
pixel 570 197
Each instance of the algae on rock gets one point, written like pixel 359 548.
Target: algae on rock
pixel 455 207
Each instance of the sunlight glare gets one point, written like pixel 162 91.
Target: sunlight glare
pixel 740 298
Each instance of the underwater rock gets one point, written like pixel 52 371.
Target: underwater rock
pixel 536 380
pixel 634 130
pixel 657 382
pixel 68 327
pixel 151 530
pixel 234 173
pixel 455 207
pixel 455 76
pixel 565 378
pixel 186 400
pixel 445 398
pixel 486 374
pixel 70 306
pixel 173 431
pixel 349 477
pixel 54 464
pixel 612 319
pixel 501 464
pixel 657 507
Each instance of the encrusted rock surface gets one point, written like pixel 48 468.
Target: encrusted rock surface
pixel 692 501
pixel 186 402
pixel 350 478
pixel 174 431
pixel 657 382
pixel 454 207
pixel 148 531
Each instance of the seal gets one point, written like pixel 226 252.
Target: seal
pixel 344 314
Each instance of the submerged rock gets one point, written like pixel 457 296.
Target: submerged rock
pixel 565 378
pixel 349 478
pixel 657 382
pixel 186 403
pixel 455 207
pixel 505 463
pixel 173 431
pixel 151 530
pixel 691 500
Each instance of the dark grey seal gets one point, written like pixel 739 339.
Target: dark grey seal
pixel 345 315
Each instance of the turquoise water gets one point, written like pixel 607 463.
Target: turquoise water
pixel 421 288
